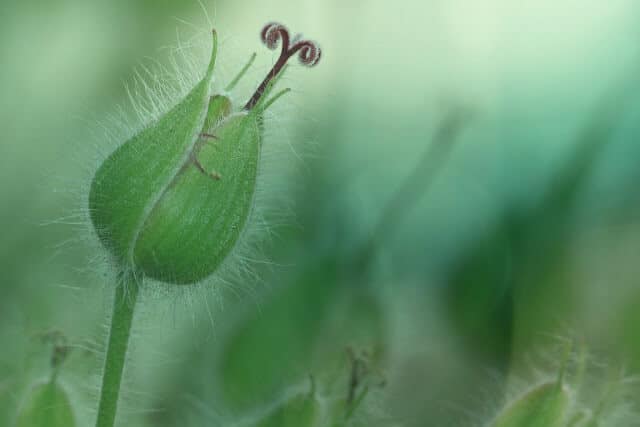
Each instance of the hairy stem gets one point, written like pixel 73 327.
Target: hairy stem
pixel 124 303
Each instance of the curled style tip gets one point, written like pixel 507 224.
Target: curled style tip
pixel 273 34
pixel 309 52
pixel 270 34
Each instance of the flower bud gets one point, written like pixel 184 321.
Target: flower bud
pixel 172 201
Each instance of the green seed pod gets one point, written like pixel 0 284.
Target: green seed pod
pixel 171 202
pixel 545 405
pixel 46 406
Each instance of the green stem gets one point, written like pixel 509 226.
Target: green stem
pixel 124 304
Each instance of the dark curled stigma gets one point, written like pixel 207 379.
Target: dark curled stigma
pixel 308 53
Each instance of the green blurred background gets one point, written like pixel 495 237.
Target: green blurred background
pixel 453 270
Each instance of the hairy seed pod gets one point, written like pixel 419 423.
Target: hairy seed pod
pixel 171 202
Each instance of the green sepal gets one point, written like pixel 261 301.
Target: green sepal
pixel 198 219
pixel 130 180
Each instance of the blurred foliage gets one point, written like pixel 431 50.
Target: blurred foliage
pixel 523 258
pixel 46 405
pixel 421 268
pixel 545 405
